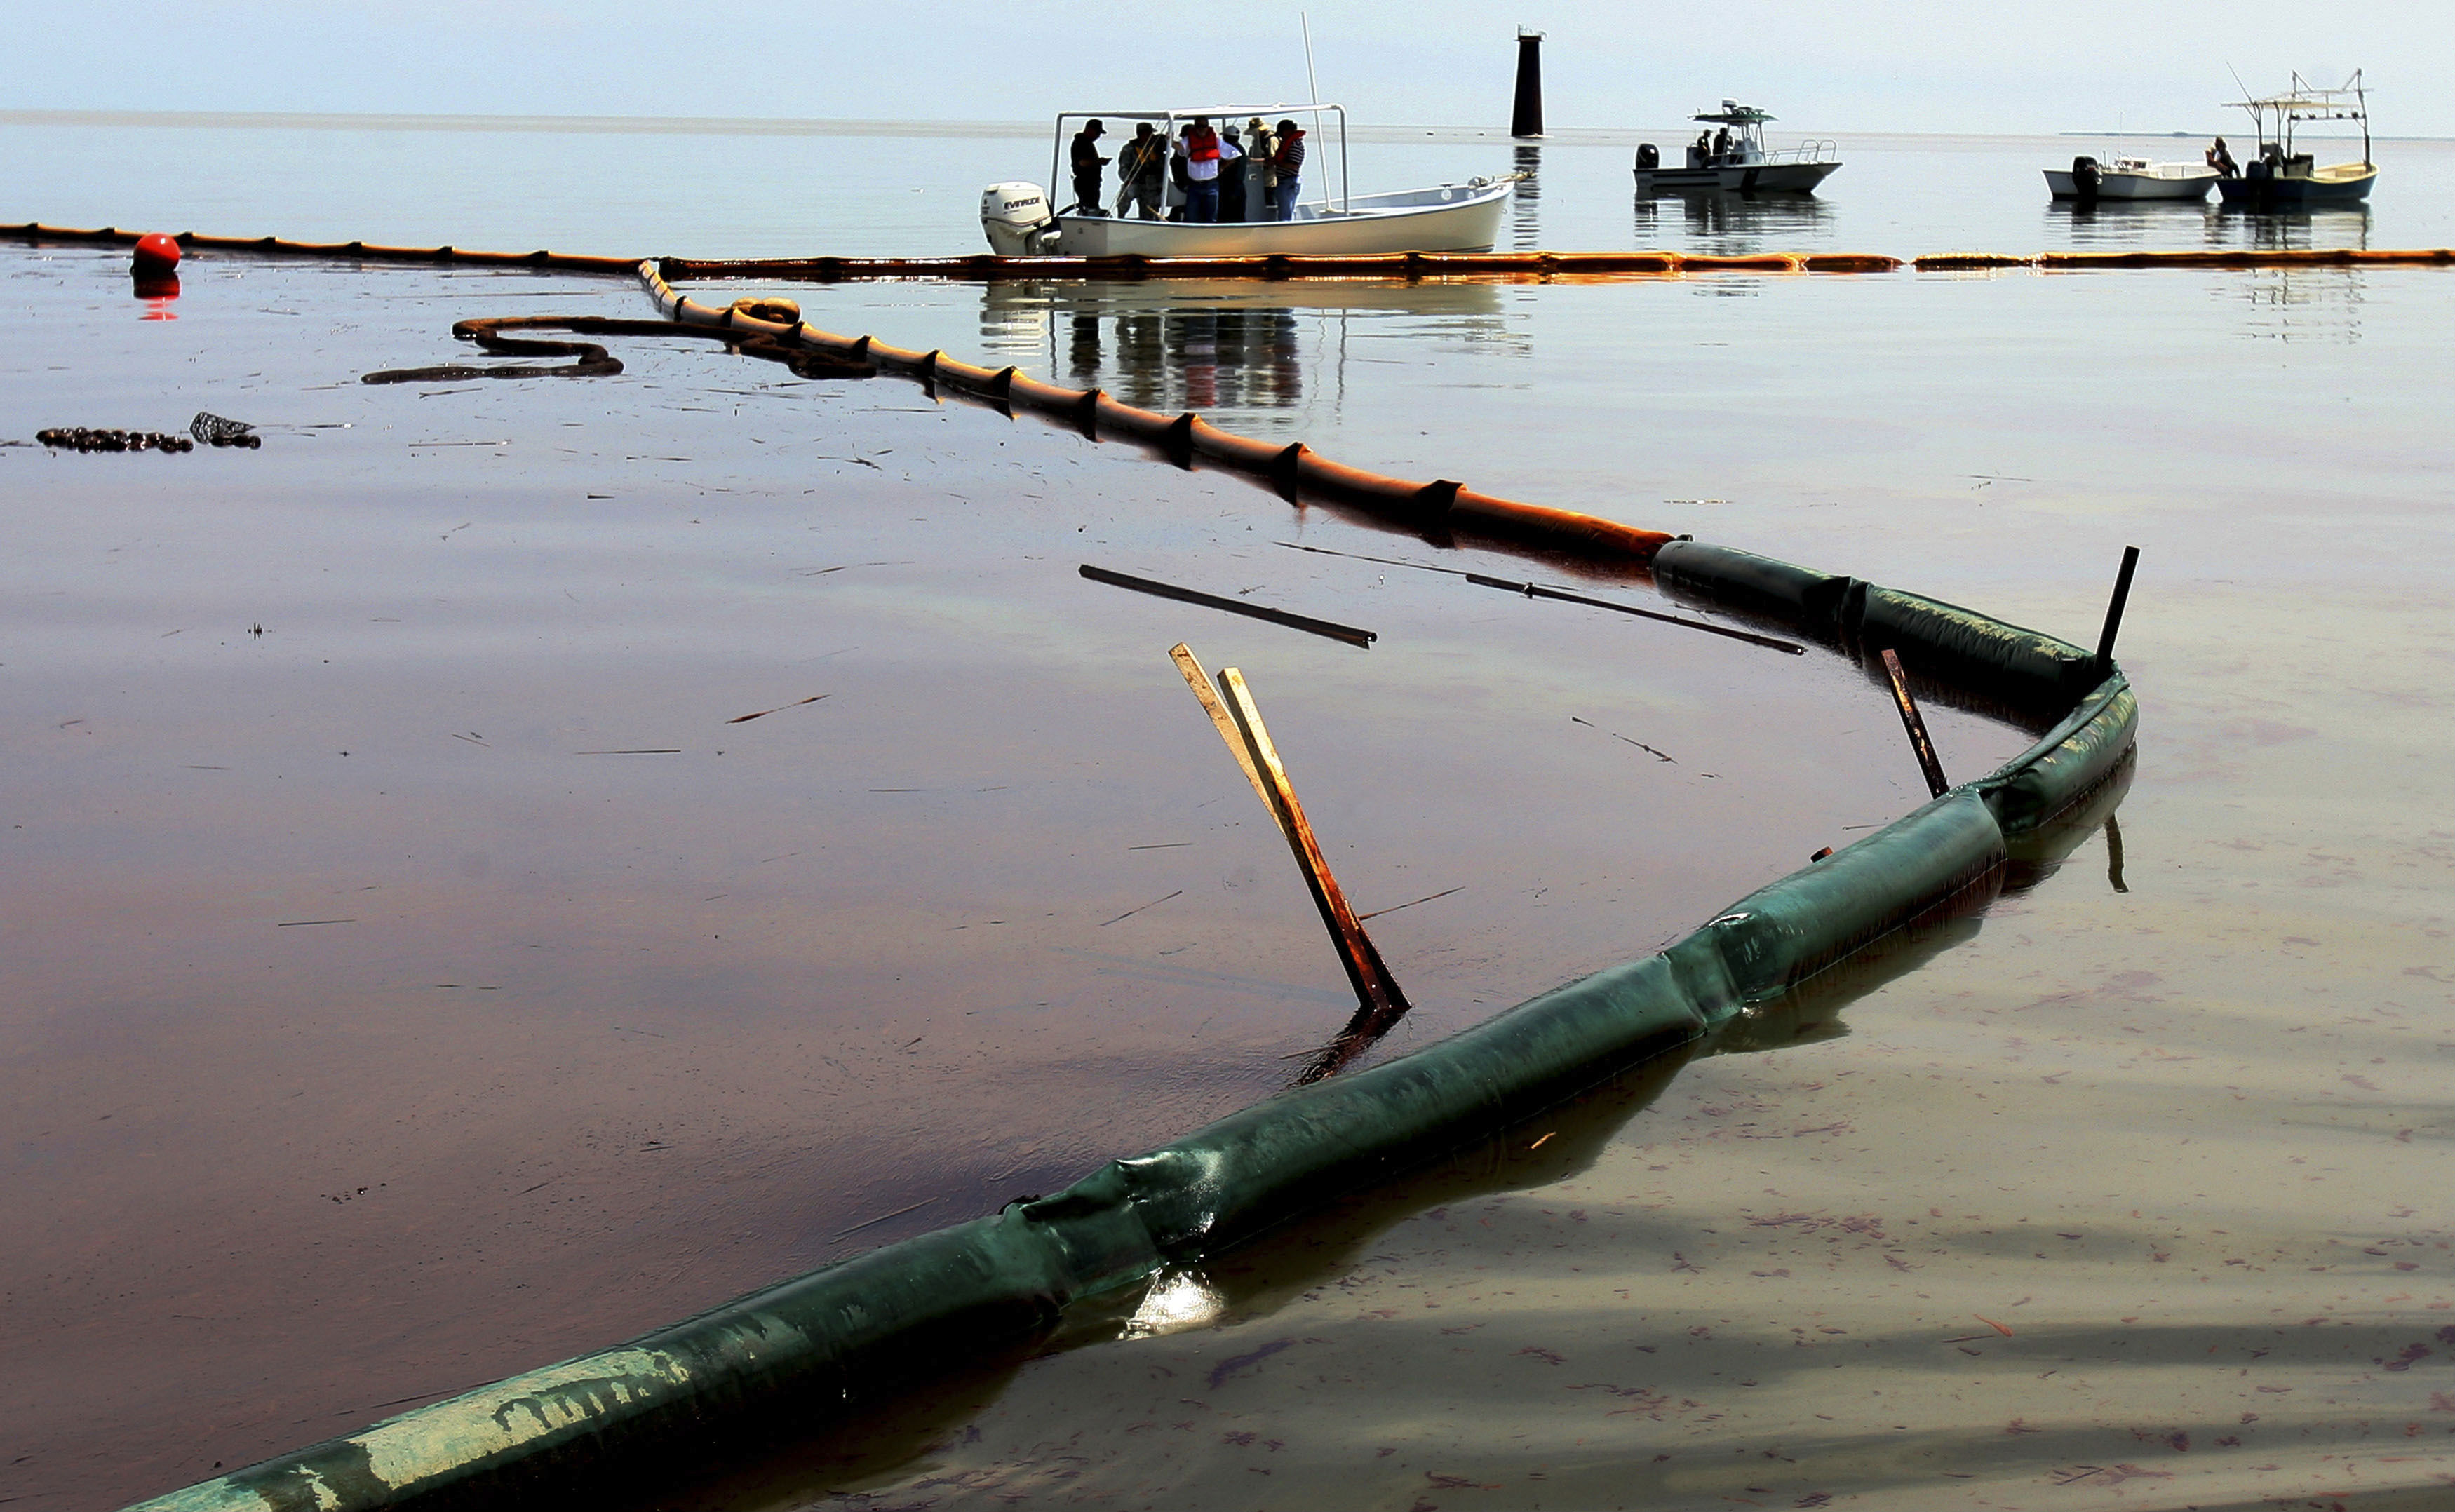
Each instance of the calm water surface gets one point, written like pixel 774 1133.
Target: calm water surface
pixel 442 982
pixel 668 189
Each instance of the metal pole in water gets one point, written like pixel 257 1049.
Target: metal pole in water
pixel 1525 119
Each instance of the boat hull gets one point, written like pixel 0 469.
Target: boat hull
pixel 2129 186
pixel 2345 183
pixel 1468 219
pixel 1751 178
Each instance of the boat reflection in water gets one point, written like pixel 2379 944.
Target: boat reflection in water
pixel 2307 304
pixel 2167 225
pixel 2124 225
pixel 2293 230
pixel 1272 354
pixel 1733 224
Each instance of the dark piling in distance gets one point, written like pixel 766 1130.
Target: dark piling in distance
pixel 1526 117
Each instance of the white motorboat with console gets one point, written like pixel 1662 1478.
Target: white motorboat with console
pixel 2281 179
pixel 1021 222
pixel 2130 178
pixel 1735 160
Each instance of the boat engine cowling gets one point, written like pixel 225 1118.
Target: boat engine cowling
pixel 1018 220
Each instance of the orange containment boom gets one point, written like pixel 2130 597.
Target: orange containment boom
pixel 2244 257
pixel 1532 267
pixel 1439 507
pixel 1513 267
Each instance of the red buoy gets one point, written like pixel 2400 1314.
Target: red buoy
pixel 156 254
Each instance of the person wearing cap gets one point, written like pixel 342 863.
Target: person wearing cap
pixel 1288 162
pixel 1087 163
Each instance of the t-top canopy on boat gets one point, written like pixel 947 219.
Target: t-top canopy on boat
pixel 2347 102
pixel 1271 114
pixel 1734 113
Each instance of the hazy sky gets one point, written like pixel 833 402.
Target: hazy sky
pixel 1885 65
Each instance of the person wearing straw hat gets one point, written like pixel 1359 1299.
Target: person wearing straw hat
pixel 1260 174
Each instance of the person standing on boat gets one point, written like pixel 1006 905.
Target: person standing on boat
pixel 1721 144
pixel 2222 161
pixel 1087 163
pixel 1288 162
pixel 1260 175
pixel 1231 178
pixel 1142 169
pixel 1201 170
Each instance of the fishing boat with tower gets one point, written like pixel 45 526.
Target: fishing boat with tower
pixel 2284 177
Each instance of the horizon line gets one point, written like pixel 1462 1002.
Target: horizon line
pixel 822 125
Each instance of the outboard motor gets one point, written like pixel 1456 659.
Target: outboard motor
pixel 1647 157
pixel 2086 179
pixel 1018 220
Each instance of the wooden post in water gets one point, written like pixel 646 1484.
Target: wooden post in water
pixel 1376 991
pixel 1914 725
pixel 2114 610
pixel 1203 694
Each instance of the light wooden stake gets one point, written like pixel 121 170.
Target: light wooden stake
pixel 1240 724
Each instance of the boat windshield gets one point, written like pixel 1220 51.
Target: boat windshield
pixel 1169 121
pixel 1747 121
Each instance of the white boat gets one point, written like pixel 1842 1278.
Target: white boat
pixel 1735 160
pixel 1021 222
pixel 2130 178
pixel 2282 178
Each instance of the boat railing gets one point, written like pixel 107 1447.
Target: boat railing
pixel 1820 151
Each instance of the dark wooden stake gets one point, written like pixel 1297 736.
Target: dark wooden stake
pixel 2113 854
pixel 1234 606
pixel 2114 610
pixel 1539 591
pixel 1914 725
